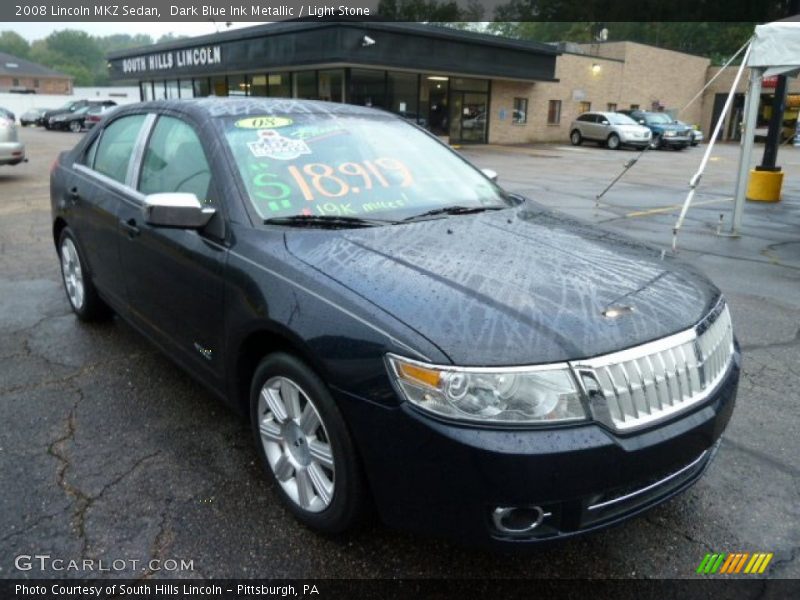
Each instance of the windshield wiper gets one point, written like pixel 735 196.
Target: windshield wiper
pixel 453 210
pixel 327 221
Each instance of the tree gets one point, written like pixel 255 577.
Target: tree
pixel 13 43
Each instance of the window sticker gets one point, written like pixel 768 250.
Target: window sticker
pixel 265 122
pixel 272 144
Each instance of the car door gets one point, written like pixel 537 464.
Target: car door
pixel 97 188
pixel 174 277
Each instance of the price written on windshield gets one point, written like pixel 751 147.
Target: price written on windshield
pixel 320 179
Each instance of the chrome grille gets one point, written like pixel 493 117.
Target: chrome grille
pixel 646 384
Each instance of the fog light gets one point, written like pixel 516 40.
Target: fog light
pixel 518 520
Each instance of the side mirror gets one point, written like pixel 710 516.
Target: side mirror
pixel 641 121
pixel 176 209
pixel 491 174
pixel 604 123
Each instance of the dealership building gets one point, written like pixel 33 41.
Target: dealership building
pixel 467 86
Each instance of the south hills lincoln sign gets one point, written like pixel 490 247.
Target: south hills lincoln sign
pixel 175 59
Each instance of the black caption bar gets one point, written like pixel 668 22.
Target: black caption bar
pixel 395 10
pixel 395 589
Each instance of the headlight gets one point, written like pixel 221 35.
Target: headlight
pixel 669 134
pixel 516 395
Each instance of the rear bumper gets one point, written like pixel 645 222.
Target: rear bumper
pixel 11 153
pixel 439 478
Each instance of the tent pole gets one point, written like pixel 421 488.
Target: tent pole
pixel 748 135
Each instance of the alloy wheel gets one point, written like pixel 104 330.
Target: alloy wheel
pixel 72 273
pixel 296 444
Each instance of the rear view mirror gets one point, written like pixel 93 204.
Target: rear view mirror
pixel 176 209
pixel 490 174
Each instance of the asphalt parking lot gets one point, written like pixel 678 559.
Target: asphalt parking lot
pixel 108 451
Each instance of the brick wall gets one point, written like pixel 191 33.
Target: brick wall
pixel 621 73
pixel 47 85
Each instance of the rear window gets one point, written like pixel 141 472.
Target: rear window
pixel 318 164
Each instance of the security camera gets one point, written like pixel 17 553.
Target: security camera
pixel 367 41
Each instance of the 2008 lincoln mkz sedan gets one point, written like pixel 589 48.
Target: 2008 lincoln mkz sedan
pixel 401 332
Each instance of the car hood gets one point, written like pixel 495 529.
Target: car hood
pixel 512 287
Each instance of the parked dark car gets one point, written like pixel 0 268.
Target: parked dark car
pixel 34 116
pixel 71 107
pixel 399 329
pixel 72 121
pixel 667 133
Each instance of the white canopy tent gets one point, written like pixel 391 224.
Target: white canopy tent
pixel 774 50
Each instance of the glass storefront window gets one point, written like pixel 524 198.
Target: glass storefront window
pixel 402 94
pixel 280 85
pixel 219 86
pixel 368 87
pixel 433 104
pixel 146 88
pixel 331 85
pixel 305 85
pixel 185 88
pixel 258 85
pixel 172 89
pixel 159 90
pixel 237 85
pixel 201 87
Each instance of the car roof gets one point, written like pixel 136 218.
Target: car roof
pixel 213 107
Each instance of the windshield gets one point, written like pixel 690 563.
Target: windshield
pixel 619 119
pixel 378 167
pixel 657 118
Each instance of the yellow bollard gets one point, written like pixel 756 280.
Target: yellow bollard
pixel 764 186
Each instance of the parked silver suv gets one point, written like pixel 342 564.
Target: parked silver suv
pixel 609 128
pixel 12 151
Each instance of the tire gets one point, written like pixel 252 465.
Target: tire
pixel 656 143
pixel 75 126
pixel 305 446
pixel 613 142
pixel 81 293
pixel 576 138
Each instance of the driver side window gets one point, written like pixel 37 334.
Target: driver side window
pixel 174 161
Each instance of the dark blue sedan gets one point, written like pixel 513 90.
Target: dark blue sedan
pixel 399 330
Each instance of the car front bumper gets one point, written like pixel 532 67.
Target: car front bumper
pixel 11 153
pixel 635 141
pixel 440 478
pixel 676 141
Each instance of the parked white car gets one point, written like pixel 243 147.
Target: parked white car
pixel 612 129
pixel 12 151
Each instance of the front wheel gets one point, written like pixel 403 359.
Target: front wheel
pixel 305 445
pixel 81 293
pixel 613 141
pixel 656 142
pixel 576 138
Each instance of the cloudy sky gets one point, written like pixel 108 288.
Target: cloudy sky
pixel 35 31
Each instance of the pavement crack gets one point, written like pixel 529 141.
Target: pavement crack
pixel 770 345
pixel 680 532
pixel 82 500
pixel 781 562
pixel 161 543
pixel 57 450
pixel 793 472
pixel 32 525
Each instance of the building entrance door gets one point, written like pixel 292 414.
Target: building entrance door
pixel 468 117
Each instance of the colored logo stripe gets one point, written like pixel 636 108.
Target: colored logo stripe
pixel 732 563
